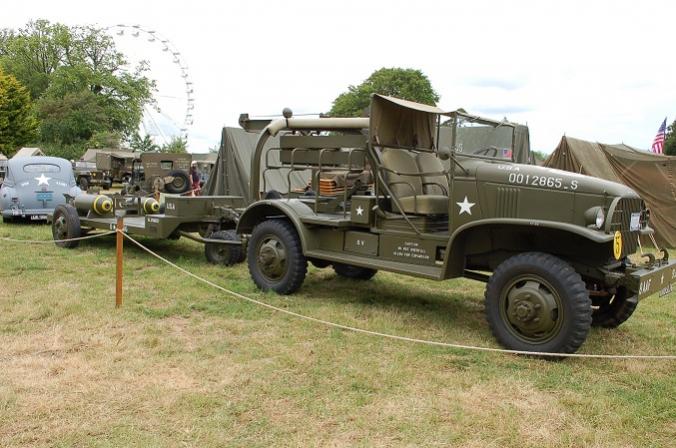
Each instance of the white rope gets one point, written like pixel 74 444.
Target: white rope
pixel 391 336
pixel 80 238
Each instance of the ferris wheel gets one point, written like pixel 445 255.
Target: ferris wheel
pixel 172 113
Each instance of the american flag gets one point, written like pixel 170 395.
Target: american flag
pixel 658 143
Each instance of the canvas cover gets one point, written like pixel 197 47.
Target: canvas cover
pixel 232 171
pixel 400 123
pixel 652 176
pixel 90 155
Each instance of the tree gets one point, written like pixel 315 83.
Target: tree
pixel 68 68
pixel 405 83
pixel 177 145
pixel 144 144
pixel 17 123
pixel 670 140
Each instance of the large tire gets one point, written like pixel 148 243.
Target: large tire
pixel 613 310
pixel 107 183
pixel 224 254
pixel 83 183
pixel 354 272
pixel 537 302
pixel 275 257
pixel 180 184
pixel 66 225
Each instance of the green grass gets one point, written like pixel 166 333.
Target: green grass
pixel 183 364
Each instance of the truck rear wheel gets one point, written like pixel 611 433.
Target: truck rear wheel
pixel 613 310
pixel 537 302
pixel 275 257
pixel 354 272
pixel 225 254
pixel 66 225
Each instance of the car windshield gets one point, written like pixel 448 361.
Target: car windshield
pixel 483 138
pixel 41 168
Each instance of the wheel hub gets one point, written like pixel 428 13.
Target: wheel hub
pixel 532 309
pixel 60 227
pixel 272 259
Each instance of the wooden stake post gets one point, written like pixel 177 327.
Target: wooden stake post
pixel 119 227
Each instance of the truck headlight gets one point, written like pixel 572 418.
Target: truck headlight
pixel 595 217
pixel 600 218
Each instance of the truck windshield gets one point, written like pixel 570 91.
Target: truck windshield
pixel 475 137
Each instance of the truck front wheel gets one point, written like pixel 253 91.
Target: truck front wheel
pixel 611 310
pixel 537 302
pixel 275 257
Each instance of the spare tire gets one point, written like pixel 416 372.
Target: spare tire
pixel 180 183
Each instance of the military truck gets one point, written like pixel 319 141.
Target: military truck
pixel 552 247
pixel 112 166
pixel 160 172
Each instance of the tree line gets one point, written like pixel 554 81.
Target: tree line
pixel 68 88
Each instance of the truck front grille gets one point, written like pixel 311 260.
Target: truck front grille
pixel 621 219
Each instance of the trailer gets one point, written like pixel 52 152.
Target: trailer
pixel 210 220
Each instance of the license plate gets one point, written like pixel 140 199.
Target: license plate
pixel 666 290
pixel 635 222
pixel 38 217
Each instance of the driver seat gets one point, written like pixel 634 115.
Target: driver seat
pixel 407 186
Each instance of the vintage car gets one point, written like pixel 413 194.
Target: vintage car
pixel 34 186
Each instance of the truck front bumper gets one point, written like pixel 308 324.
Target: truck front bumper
pixel 657 277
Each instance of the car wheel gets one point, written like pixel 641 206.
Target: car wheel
pixel 613 310
pixel 275 257
pixel 66 225
pixel 225 254
pixel 537 302
pixel 354 272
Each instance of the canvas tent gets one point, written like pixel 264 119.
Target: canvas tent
pixel 652 176
pixel 232 171
pixel 28 152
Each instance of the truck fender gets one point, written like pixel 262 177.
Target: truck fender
pixel 291 209
pixel 454 262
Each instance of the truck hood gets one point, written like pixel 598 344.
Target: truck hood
pixel 543 178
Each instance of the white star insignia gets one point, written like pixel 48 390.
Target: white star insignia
pixel 43 180
pixel 359 210
pixel 465 206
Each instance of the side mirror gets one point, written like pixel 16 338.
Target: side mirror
pixel 444 153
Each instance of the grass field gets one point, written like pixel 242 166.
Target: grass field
pixel 183 365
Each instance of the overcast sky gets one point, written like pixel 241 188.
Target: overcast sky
pixel 594 70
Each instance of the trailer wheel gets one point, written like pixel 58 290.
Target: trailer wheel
pixel 537 302
pixel 180 183
pixel 354 272
pixel 275 257
pixel 613 310
pixel 224 254
pixel 66 225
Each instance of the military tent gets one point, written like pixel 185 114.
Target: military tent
pixel 232 172
pixel 652 176
pixel 28 152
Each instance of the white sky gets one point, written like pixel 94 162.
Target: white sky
pixel 594 70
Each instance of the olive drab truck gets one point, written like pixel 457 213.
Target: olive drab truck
pixel 419 191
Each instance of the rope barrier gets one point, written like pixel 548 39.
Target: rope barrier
pixel 391 336
pixel 80 238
